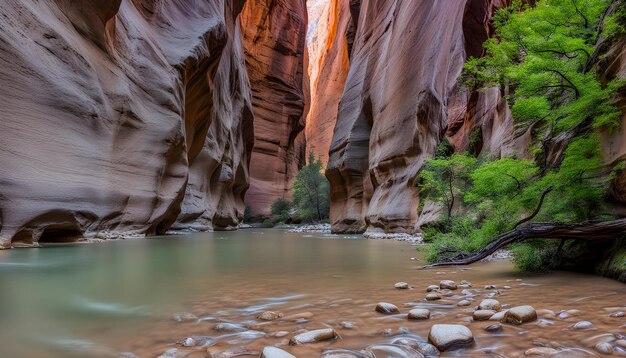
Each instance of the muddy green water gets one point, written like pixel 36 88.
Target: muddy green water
pixel 102 299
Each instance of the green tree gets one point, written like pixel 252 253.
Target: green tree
pixel 311 191
pixel 280 209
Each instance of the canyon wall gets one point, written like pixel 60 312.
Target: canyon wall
pixel 274 34
pixel 401 90
pixel 329 41
pixel 121 117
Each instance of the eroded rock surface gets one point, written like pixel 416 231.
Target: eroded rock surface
pixel 274 34
pixel 121 116
pixel 400 92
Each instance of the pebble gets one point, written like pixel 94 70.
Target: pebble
pixel 269 316
pixel 621 343
pixel 432 288
pixel 447 336
pixel 273 352
pixel 490 287
pixel 228 327
pixel 401 285
pixel 520 314
pixel 433 296
pixel 317 335
pixel 279 334
pixel 387 308
pixel 347 325
pixel 493 328
pixel 464 303
pixel 446 293
pixel 483 315
pixel 490 304
pixel 418 314
pixel 298 316
pixel 540 351
pixel 448 284
pixel 170 353
pixel 582 325
pixel 618 314
pixel 604 348
pixel 188 342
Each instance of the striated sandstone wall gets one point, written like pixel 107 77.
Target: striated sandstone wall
pixel 328 43
pixel 120 117
pixel 274 33
pixel 400 95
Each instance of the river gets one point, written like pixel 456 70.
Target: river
pixel 102 299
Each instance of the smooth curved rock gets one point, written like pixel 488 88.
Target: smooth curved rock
pixel 418 314
pixel 450 336
pixel 425 348
pixel 345 353
pixel 519 315
pixel 490 304
pixel 269 316
pixel 447 285
pixel 483 315
pixel 273 352
pixel 387 308
pixel 317 335
pixel 274 34
pixel 540 351
pixel 392 350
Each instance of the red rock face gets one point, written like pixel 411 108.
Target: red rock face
pixel 329 48
pixel 400 92
pixel 274 40
pixel 120 117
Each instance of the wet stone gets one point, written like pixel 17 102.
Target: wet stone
pixel 228 327
pixel 433 296
pixel 273 352
pixel 347 325
pixel 498 316
pixel 448 284
pixel 463 303
pixel 344 353
pixel 317 335
pixel 490 304
pixel 618 314
pixel 392 350
pixel 387 308
pixel 401 285
pixel 520 314
pixel 418 314
pixel 425 348
pixel 279 334
pixel 269 316
pixel 432 288
pixel 185 317
pixel 604 348
pixel 540 352
pixel 450 336
pixel 582 325
pixel 483 315
pixel 494 328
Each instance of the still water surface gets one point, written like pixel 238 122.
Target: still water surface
pixel 104 299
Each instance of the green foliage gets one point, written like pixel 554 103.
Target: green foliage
pixel 311 193
pixel 443 179
pixel 280 209
pixel 543 54
pixel 267 223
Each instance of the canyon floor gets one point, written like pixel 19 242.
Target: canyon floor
pixel 227 294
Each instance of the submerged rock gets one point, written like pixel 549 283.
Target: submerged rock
pixel 387 308
pixel 401 285
pixel 392 350
pixel 582 325
pixel 540 351
pixel 418 314
pixel 345 353
pixel 273 352
pixel 269 316
pixel 425 348
pixel 493 328
pixel 317 335
pixel 464 303
pixel 450 336
pixel 185 317
pixel 432 288
pixel 228 327
pixel 433 296
pixel 519 315
pixel 604 348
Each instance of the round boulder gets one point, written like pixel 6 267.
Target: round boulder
pixel 490 304
pixel 519 315
pixel 450 336
pixel 387 308
pixel 401 285
pixel 483 315
pixel 418 314
pixel 448 284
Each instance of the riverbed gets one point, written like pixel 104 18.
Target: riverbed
pixel 144 297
